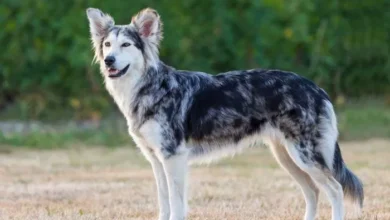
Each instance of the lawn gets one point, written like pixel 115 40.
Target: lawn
pixel 81 182
pixel 357 120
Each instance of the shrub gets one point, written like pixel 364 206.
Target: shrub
pixel 46 52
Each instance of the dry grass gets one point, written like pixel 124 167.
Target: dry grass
pixel 101 183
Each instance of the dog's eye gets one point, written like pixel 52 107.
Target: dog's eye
pixel 107 44
pixel 126 45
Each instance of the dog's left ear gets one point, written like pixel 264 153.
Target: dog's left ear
pixel 149 25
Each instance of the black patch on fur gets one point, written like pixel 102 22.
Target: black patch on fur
pixel 135 38
pixel 317 156
pixel 255 125
pixel 236 92
pixel 338 161
pixel 101 48
pixel 135 109
pixel 149 113
pixel 237 122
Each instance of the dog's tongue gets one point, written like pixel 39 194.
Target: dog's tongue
pixel 112 71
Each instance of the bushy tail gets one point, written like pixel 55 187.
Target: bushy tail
pixel 352 186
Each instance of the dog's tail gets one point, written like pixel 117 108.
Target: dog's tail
pixel 352 186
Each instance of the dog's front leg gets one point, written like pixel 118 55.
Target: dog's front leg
pixel 162 185
pixel 176 168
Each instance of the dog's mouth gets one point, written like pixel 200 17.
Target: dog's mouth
pixel 115 73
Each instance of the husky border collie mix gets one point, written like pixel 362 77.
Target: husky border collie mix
pixel 177 116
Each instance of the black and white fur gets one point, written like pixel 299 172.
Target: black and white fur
pixel 177 116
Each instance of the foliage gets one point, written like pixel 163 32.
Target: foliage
pixel 46 53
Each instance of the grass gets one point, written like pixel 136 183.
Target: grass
pixel 358 120
pixel 50 140
pixel 110 132
pixel 81 182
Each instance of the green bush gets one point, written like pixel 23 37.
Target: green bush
pixel 45 61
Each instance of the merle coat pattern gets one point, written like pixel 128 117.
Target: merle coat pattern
pixel 177 116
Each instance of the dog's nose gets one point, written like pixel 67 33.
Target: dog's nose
pixel 109 60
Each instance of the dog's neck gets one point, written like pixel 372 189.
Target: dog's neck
pixel 133 92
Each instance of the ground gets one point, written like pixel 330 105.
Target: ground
pixel 117 183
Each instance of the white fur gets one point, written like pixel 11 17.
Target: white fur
pixel 161 183
pixel 176 171
pixel 153 131
pixel 328 128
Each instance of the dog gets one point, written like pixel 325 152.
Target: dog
pixel 176 116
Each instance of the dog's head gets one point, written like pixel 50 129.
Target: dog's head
pixel 122 49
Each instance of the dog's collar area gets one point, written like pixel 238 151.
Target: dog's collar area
pixel 120 73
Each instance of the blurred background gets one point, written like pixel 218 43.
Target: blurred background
pixel 64 148
pixel 51 95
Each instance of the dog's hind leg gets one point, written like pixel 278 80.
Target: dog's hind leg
pixel 322 176
pixel 308 187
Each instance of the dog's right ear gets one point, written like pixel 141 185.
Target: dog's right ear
pixel 99 23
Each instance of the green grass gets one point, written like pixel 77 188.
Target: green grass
pixel 357 120
pixel 362 120
pixel 51 140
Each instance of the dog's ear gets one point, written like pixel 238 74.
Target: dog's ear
pixel 149 25
pixel 99 22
